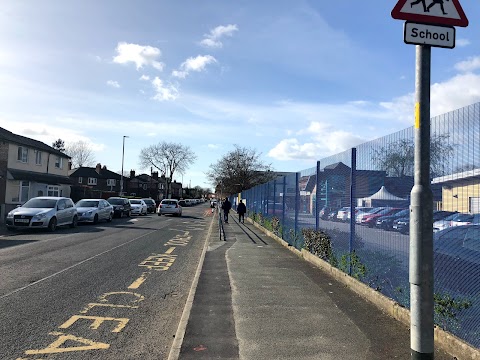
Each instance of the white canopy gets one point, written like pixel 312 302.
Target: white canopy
pixel 383 194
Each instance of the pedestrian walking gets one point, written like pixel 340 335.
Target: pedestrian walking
pixel 226 206
pixel 241 210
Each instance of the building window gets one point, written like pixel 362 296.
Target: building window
pixel 92 181
pixel 38 157
pixel 80 180
pixel 22 154
pixel 144 186
pixel 111 182
pixel 24 189
pixel 53 190
pixel 59 162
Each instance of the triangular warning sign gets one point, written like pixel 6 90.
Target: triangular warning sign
pixel 437 12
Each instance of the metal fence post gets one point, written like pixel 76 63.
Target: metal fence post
pixel 352 206
pixel 317 198
pixel 274 197
pixel 268 198
pixel 297 206
pixel 284 203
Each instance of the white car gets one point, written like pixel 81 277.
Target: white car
pixel 94 210
pixel 138 207
pixel 169 206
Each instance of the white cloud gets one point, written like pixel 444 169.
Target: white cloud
pixel 462 42
pixel 212 40
pixel 164 92
pixel 213 146
pixel 471 64
pixel 144 78
pixel 138 54
pixel 197 64
pixel 113 84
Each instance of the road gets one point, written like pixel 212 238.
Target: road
pixel 107 291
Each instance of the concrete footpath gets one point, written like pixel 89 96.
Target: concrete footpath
pixel 257 300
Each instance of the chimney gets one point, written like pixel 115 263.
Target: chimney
pixel 69 165
pixel 98 168
pixel 132 174
pixel 155 175
pixel 104 167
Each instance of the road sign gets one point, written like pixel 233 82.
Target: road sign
pixel 436 12
pixel 433 35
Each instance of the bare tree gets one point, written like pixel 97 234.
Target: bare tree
pixel 168 158
pixel 81 154
pixel 397 158
pixel 59 145
pixel 239 169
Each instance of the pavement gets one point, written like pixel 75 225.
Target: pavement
pixel 255 299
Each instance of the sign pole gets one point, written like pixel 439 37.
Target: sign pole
pixel 421 219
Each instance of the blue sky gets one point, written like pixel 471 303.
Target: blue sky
pixel 296 80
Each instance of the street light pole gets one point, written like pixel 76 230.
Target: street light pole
pixel 123 156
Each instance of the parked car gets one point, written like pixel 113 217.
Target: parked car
pixel 182 203
pixel 169 206
pixel 151 205
pixel 342 213
pixel 457 258
pixel 471 219
pixel 386 222
pixel 402 225
pixel 371 219
pixel 138 207
pixel 449 220
pixel 359 216
pixel 43 212
pixel 121 206
pixel 94 210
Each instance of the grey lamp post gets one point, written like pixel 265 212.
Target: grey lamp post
pixel 123 156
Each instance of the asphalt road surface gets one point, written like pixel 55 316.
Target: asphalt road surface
pixel 107 291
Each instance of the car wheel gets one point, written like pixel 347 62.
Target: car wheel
pixel 52 225
pixel 10 228
pixel 159 214
pixel 129 213
pixel 110 217
pixel 74 222
pixel 95 219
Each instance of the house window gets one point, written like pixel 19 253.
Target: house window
pixel 24 189
pixel 59 162
pixel 92 181
pixel 80 180
pixel 22 154
pixel 38 157
pixel 144 186
pixel 111 182
pixel 53 190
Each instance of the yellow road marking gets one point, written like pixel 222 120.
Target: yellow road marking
pixel 170 250
pixel 136 284
pixel 103 301
pixel 97 321
pixel 54 347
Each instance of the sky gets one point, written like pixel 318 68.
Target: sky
pixel 296 80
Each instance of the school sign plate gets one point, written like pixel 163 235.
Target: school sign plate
pixel 433 35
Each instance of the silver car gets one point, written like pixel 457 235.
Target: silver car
pixel 138 207
pixel 43 212
pixel 94 210
pixel 169 206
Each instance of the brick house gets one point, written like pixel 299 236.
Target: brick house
pixel 29 168
pixel 97 182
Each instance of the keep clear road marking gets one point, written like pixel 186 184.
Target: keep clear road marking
pixel 136 284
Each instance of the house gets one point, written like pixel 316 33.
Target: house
pixel 94 182
pixel 29 168
pixel 146 186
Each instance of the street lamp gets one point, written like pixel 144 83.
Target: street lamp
pixel 123 155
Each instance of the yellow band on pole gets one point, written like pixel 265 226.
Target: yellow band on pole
pixel 417 115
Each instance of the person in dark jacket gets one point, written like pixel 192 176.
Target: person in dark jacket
pixel 241 210
pixel 226 206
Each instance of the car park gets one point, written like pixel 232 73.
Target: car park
pixel 169 206
pixel 138 207
pixel 94 210
pixel 386 222
pixel 371 219
pixel 46 212
pixel 121 206
pixel 402 225
pixel 361 214
pixel 450 220
pixel 151 205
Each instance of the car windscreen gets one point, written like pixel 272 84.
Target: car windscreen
pixel 115 201
pixel 87 203
pixel 40 203
pixel 149 202
pixel 136 202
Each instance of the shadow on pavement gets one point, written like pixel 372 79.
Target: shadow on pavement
pixel 9 243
